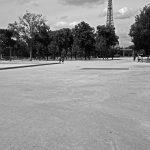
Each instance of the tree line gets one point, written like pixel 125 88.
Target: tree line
pixel 31 37
pixel 140 32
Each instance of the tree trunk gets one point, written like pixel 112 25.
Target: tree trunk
pixel 46 48
pixel 54 56
pixel 10 53
pixel 0 53
pixel 85 57
pixel 30 43
pixel 75 56
pixel 89 55
pixel 66 54
pixel 30 54
pixel 47 55
pixel 71 54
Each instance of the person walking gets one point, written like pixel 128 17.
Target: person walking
pixel 134 56
pixel 59 59
pixel 139 58
pixel 63 59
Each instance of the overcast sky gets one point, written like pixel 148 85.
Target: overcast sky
pixel 67 13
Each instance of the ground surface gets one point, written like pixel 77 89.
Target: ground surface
pixel 80 105
pixel 23 64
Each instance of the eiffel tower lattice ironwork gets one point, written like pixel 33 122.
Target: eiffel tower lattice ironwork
pixel 110 20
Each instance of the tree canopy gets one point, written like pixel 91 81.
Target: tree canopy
pixel 140 31
pixel 28 26
pixel 33 38
pixel 6 38
pixel 105 40
pixel 84 38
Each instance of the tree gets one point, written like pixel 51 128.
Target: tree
pixel 61 42
pixel 6 40
pixel 27 27
pixel 21 49
pixel 67 41
pixel 100 46
pixel 42 38
pixel 140 31
pixel 2 43
pixel 84 37
pixel 76 50
pixel 106 39
pixel 64 40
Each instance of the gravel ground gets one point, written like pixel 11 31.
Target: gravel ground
pixel 78 105
pixel 22 63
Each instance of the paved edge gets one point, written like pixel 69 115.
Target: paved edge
pixel 27 66
pixel 105 69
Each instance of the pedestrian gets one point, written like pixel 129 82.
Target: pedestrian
pixel 134 56
pixel 139 58
pixel 59 58
pixel 63 59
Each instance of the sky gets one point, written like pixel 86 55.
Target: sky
pixel 68 13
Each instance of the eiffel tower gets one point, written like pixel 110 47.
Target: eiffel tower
pixel 110 20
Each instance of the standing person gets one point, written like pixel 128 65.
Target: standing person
pixel 63 59
pixel 134 56
pixel 139 58
pixel 59 58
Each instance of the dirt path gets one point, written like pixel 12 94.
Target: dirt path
pixel 66 107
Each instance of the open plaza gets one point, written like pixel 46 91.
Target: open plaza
pixel 78 105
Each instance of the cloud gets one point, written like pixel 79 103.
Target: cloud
pixel 63 17
pixel 125 13
pixel 82 2
pixel 3 2
pixel 73 24
pixel 103 13
pixel 124 38
pixel 123 35
pixel 28 2
pixel 21 2
pixel 34 3
pixel 63 24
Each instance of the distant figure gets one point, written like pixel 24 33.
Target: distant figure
pixel 140 58
pixel 63 59
pixel 134 56
pixel 59 58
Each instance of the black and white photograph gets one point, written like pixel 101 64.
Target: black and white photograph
pixel 74 75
